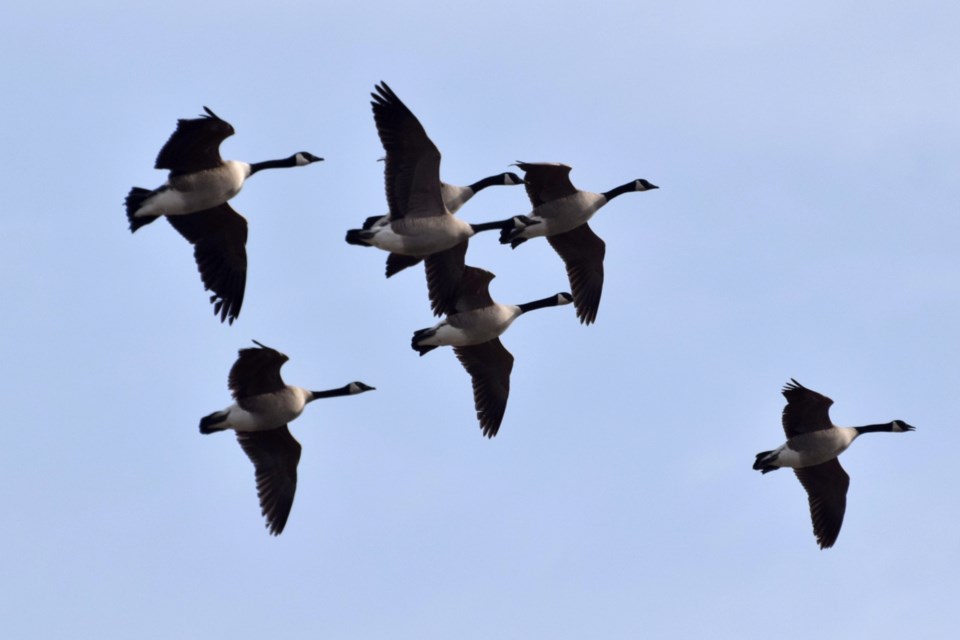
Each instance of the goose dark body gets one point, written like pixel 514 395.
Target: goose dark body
pixel 263 406
pixel 812 449
pixel 474 331
pixel 420 225
pixel 194 200
pixel 560 212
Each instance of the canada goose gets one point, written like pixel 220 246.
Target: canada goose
pixel 560 212
pixel 420 224
pixel 813 444
pixel 194 200
pixel 473 331
pixel 264 405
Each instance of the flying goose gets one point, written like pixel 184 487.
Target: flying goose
pixel 813 444
pixel 194 200
pixel 473 331
pixel 420 224
pixel 264 405
pixel 560 212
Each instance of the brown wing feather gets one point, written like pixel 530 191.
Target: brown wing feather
pixel 275 455
pixel 489 365
pixel 582 251
pixel 219 239
pixel 445 271
pixel 826 485
pixel 256 371
pixel 195 144
pixel 412 166
pixel 474 291
pixel 805 411
pixel 397 262
pixel 546 181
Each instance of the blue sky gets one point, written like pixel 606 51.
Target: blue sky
pixel 805 227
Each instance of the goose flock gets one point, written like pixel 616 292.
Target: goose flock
pixel 421 226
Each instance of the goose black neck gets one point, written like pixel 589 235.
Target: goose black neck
pixel 331 393
pixel 874 428
pixel 490 226
pixel 273 164
pixel 539 304
pixel 486 182
pixel 618 191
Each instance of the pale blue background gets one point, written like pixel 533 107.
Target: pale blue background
pixel 806 226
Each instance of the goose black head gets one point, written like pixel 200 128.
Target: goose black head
pixel 899 426
pixel 302 158
pixel 359 387
pixel 644 185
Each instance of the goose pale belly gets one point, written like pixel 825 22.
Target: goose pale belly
pixel 194 192
pixel 475 327
pixel 565 214
pixel 815 447
pixel 421 236
pixel 266 411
